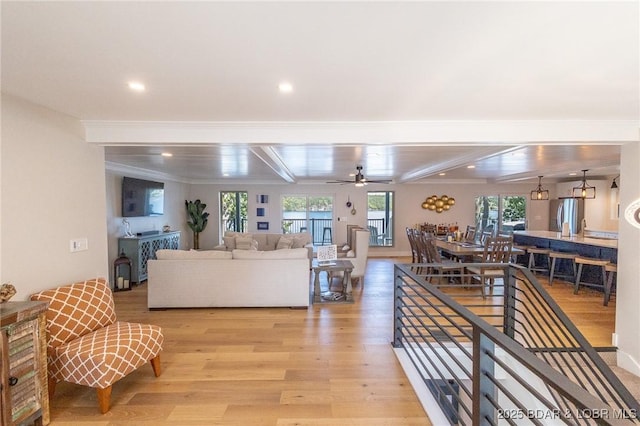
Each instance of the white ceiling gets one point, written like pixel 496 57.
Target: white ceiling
pixel 438 62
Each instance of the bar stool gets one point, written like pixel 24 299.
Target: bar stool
pixel 326 235
pixel 532 259
pixel 524 248
pixel 602 263
pixel 611 269
pixel 554 255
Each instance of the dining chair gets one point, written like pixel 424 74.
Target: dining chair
pixel 422 250
pixel 441 266
pixel 497 250
pixel 411 236
pixel 470 234
pixel 486 233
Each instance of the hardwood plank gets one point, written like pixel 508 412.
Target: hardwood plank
pixel 324 366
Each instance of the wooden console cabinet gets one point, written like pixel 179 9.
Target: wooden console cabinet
pixel 24 397
pixel 141 249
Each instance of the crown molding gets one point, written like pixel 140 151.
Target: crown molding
pixel 362 132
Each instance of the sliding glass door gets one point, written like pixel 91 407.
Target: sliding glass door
pixel 380 218
pixel 501 213
pixel 309 213
pixel 233 211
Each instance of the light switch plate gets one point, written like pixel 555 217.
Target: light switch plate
pixel 78 244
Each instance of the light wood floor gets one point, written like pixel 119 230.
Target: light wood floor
pixel 326 365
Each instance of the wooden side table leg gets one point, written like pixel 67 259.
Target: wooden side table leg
pixel 346 284
pixel 316 286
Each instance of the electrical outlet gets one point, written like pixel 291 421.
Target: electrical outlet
pixel 78 244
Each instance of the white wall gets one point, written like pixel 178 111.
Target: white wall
pixel 628 290
pixel 597 212
pixel 175 214
pixel 53 190
pixel 408 210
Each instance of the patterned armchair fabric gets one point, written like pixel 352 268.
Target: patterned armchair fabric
pixel 85 343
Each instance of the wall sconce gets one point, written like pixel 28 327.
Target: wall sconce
pixel 585 190
pixel 632 213
pixel 438 204
pixel 539 193
pixel 614 185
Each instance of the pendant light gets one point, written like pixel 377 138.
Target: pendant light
pixel 540 194
pixel 585 190
pixel 614 184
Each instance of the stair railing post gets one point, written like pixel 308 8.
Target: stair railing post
pixel 483 368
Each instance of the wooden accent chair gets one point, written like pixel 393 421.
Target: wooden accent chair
pixel 87 346
pixel 442 266
pixel 497 250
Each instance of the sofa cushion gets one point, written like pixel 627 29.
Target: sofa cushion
pixel 284 243
pixel 261 238
pixel 192 254
pixel 245 243
pixel 272 242
pixel 300 239
pixel 298 253
pixel 229 242
pixel 236 234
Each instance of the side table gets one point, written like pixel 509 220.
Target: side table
pixel 339 265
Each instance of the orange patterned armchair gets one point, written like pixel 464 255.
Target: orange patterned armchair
pixel 86 345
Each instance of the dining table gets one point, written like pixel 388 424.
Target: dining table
pixel 466 251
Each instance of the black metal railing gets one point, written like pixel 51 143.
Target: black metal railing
pixel 512 358
pixel 230 225
pixel 321 229
pixel 379 233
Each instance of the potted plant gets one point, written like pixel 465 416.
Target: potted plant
pixel 197 219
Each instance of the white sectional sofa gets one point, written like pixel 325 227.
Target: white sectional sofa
pixel 265 241
pixel 237 278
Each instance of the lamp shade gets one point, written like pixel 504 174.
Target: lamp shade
pixel 540 194
pixel 585 190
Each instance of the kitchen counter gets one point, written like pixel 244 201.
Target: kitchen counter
pixel 598 248
pixel 579 239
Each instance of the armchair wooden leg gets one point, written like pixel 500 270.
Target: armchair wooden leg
pixel 51 386
pixel 104 399
pixel 155 364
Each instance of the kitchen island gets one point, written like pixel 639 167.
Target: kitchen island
pixel 585 246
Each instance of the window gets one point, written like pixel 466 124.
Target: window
pixel 380 218
pixel 233 211
pixel 306 213
pixel 504 213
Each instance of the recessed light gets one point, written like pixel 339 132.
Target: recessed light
pixel 136 86
pixel 225 174
pixel 167 154
pixel 572 174
pixel 441 174
pixel 471 166
pixel 285 87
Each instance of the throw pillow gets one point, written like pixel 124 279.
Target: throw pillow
pixel 284 243
pixel 244 243
pixel 350 253
pixel 229 242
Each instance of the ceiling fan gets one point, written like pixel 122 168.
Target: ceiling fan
pixel 360 180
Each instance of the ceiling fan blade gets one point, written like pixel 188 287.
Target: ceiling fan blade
pixel 360 180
